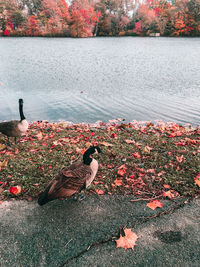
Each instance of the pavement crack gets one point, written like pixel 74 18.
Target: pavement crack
pixel 88 248
pixel 140 220
pixel 167 211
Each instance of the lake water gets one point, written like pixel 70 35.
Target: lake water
pixel 85 80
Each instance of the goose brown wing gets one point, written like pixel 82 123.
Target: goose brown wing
pixel 70 180
pixel 9 128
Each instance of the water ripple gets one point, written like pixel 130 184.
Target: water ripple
pixel 101 78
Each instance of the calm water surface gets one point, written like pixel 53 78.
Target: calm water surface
pixel 85 80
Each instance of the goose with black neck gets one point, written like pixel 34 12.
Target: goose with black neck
pixel 72 179
pixel 15 128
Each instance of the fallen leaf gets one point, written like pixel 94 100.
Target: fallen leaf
pixel 114 135
pixel 197 179
pixel 15 190
pixel 127 241
pixel 44 144
pixel 166 186
pixel 170 194
pixel 106 144
pixel 118 182
pixel 80 151
pixel 99 191
pixel 121 172
pixel 179 159
pixel 155 204
pixel 137 155
pixel 4 163
pixel 147 149
pixel 130 141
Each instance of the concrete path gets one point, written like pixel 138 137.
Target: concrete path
pixel 69 233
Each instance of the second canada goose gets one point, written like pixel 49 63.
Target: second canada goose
pixel 15 128
pixel 72 179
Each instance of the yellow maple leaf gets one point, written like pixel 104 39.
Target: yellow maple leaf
pixel 4 163
pixel 127 241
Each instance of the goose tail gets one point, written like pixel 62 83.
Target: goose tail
pixel 44 198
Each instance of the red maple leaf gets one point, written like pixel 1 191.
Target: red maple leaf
pixel 15 189
pixel 155 204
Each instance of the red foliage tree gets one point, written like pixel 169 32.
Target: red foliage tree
pixel 32 28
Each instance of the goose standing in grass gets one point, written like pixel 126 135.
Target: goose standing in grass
pixel 72 179
pixel 15 128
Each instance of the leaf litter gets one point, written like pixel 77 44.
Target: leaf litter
pixel 144 160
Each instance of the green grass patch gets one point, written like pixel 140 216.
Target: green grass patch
pixel 138 159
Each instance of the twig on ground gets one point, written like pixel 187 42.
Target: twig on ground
pixel 145 199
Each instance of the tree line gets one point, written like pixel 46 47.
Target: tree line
pixel 87 18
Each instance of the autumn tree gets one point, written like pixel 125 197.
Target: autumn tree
pixel 86 18
pixel 11 16
pixel 83 19
pixel 32 28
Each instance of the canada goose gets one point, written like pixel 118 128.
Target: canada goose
pixel 72 179
pixel 15 128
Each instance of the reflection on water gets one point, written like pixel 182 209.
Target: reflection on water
pixel 101 78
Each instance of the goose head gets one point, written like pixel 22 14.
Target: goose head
pixel 91 150
pixel 21 101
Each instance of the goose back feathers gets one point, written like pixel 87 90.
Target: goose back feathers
pixel 15 128
pixel 70 180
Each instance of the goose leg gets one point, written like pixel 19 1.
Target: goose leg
pixel 79 196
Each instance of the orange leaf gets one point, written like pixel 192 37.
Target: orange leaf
pixel 166 186
pixel 170 194
pixel 197 179
pixel 137 155
pixel 130 141
pixel 118 182
pixel 99 191
pixel 127 241
pixel 155 204
pixel 179 159
pixel 121 172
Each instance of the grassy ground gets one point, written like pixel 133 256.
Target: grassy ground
pixel 143 160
